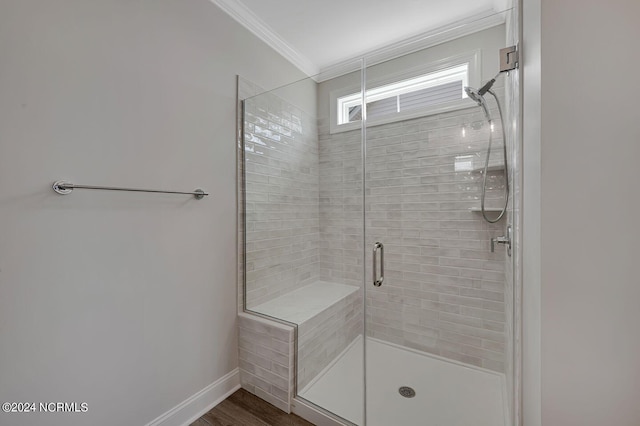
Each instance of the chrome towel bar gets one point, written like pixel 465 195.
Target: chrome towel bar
pixel 64 188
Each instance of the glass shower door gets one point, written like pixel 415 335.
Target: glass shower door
pixel 439 320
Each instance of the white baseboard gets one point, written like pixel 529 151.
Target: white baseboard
pixel 196 405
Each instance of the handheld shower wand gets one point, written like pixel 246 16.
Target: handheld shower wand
pixel 477 95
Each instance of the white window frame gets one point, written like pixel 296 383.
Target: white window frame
pixel 436 73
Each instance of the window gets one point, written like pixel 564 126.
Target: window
pixel 424 91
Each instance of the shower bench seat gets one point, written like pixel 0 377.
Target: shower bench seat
pixel 305 303
pixel 328 316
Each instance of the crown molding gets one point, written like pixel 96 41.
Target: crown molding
pixel 243 15
pixel 470 25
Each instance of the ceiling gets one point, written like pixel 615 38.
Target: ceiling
pixel 317 34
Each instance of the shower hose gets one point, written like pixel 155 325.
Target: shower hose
pixel 486 167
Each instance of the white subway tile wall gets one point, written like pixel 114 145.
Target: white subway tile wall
pixel 341 206
pixel 282 217
pixel 245 89
pixel 325 336
pixel 444 290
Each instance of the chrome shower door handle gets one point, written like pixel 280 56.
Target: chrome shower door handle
pixel 378 247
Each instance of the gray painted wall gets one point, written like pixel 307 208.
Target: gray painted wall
pixel 588 172
pixel 119 300
pixel 589 202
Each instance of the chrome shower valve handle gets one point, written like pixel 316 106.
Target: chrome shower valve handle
pixel 506 240
pixel 499 240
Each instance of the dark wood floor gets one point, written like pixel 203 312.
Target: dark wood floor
pixel 245 409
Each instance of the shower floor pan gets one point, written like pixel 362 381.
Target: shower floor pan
pixel 447 393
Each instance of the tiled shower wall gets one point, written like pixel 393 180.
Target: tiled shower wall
pixel 282 238
pixel 341 206
pixel 324 337
pixel 444 290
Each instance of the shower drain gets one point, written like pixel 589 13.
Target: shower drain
pixel 407 392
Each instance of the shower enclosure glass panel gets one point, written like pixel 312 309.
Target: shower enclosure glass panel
pixel 303 243
pixel 361 229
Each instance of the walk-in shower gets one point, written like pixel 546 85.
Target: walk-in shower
pixel 371 292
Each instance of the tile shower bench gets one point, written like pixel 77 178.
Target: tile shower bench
pixel 328 316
